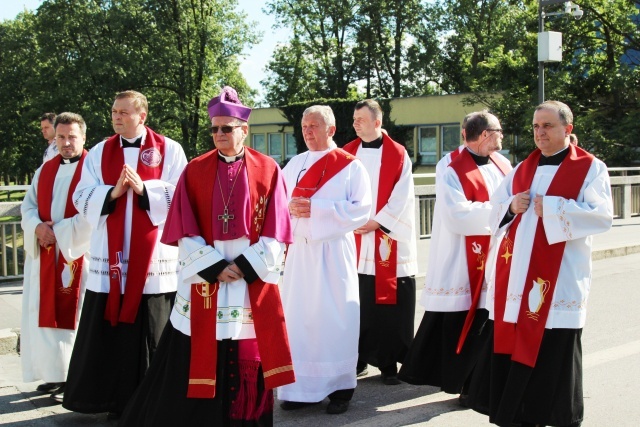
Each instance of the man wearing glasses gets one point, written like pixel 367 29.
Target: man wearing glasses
pixel 447 343
pixel 330 197
pixel 545 212
pixel 225 347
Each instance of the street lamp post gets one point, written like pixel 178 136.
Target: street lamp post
pixel 569 8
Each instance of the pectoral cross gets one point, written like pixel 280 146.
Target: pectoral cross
pixel 225 217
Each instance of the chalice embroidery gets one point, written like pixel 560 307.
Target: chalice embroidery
pixel 536 297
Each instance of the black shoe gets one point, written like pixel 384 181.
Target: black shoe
pixel 463 400
pixel 58 395
pixel 337 406
pixel 361 371
pixel 112 416
pixel 288 405
pixel 390 379
pixel 48 387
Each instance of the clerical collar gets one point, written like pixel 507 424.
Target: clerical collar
pixel 131 142
pixel 64 161
pixel 480 160
pixel 555 159
pixel 376 143
pixel 231 159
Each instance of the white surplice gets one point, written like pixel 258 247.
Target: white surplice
pixel 320 286
pixel 89 199
pixel 397 216
pixel 571 221
pixel 265 256
pixel 447 281
pixel 45 352
pixel 50 152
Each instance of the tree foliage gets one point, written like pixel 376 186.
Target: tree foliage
pixel 75 55
pixel 343 112
pixel 486 48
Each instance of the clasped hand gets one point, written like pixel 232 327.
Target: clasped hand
pixel 129 178
pixel 300 207
pixel 45 235
pixel 231 273
pixel 521 202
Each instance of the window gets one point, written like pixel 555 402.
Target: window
pixel 434 142
pixel 450 139
pixel 275 146
pixel 258 143
pixel 428 143
pixel 290 146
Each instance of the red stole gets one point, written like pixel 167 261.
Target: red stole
pixel 475 190
pixel 58 304
pixel 385 267
pixel 143 232
pixel 455 153
pixel 522 339
pixel 321 172
pixel 268 314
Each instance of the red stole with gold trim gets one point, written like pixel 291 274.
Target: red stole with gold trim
pixel 386 252
pixel 143 232
pixel 522 339
pixel 321 172
pixel 58 301
pixel 266 307
pixel 476 247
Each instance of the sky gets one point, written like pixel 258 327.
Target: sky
pixel 255 59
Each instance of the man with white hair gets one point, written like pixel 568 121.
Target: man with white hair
pixel 330 197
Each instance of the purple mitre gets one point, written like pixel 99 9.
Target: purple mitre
pixel 228 104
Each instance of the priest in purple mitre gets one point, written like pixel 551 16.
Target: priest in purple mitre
pixel 225 347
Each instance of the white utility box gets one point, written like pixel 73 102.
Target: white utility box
pixel 550 46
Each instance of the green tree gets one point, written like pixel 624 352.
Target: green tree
pixel 492 53
pixel 322 46
pixel 290 75
pixel 75 55
pixel 177 52
pixel 21 143
pixel 386 31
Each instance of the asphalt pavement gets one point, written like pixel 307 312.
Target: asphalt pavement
pixel 611 361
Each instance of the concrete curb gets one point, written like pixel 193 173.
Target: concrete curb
pixel 9 341
pixel 615 252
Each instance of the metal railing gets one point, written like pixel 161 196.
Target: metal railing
pixel 625 190
pixel 12 250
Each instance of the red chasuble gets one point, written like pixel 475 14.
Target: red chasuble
pixel 477 247
pixel 143 232
pixel 58 301
pixel 268 314
pixel 390 172
pixel 522 339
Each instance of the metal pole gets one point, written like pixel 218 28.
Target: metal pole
pixel 540 63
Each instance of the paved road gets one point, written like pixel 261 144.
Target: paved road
pixel 611 363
